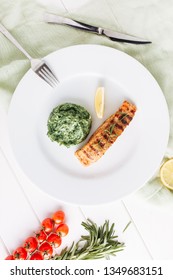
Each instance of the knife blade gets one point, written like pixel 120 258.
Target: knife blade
pixel 112 35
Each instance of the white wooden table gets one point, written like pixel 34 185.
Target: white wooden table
pixel 23 206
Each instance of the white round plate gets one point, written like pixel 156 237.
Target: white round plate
pixel 132 159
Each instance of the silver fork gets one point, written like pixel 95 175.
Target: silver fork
pixel 39 66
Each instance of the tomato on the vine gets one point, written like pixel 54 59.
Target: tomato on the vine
pixel 58 217
pixel 46 250
pixel 62 230
pixel 41 236
pixel 47 225
pixel 20 254
pixel 41 246
pixel 30 244
pixel 54 239
pixel 10 257
pixel 36 256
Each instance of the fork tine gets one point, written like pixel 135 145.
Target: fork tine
pixel 50 73
pixel 41 68
pixel 42 76
pixel 47 75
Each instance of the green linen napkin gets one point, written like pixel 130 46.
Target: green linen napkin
pixel 152 20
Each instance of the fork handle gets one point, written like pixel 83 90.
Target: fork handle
pixel 8 35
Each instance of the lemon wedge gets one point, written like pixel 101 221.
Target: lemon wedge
pixel 99 102
pixel 166 174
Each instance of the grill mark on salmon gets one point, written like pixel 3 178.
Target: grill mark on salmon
pixel 119 126
pixel 88 155
pixel 129 117
pixel 106 134
pixel 124 121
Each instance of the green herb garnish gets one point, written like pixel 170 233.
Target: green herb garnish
pixel 100 242
pixel 110 131
pixel 123 115
pixel 127 226
pixel 98 144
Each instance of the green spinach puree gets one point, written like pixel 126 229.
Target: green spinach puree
pixel 69 124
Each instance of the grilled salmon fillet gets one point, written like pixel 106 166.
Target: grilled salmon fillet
pixel 106 134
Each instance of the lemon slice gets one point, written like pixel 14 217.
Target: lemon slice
pixel 99 102
pixel 166 174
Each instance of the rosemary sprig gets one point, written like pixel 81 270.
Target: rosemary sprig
pixel 99 243
pixel 98 144
pixel 123 115
pixel 110 129
pixel 127 226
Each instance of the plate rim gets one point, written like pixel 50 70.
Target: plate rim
pixel 124 54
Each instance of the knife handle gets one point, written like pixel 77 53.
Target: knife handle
pixel 87 27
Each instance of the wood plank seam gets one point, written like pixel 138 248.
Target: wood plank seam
pixel 137 230
pixel 19 184
pixel 4 246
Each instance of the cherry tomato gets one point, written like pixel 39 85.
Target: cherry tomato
pixel 30 244
pixel 20 254
pixel 47 225
pixel 62 230
pixel 41 236
pixel 36 256
pixel 46 250
pixel 54 240
pixel 58 217
pixel 10 257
